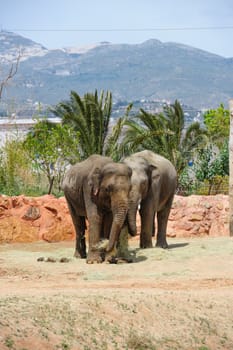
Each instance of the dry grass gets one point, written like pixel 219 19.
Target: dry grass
pixel 179 298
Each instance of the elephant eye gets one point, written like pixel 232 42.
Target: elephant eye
pixel 109 188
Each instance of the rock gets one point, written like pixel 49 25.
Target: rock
pixel 32 213
pixel 29 219
pixel 51 259
pixel 14 229
pixel 41 258
pixel 64 260
pixel 198 216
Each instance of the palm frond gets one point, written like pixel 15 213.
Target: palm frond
pixel 90 115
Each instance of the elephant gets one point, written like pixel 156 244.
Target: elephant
pixel 153 185
pixel 97 189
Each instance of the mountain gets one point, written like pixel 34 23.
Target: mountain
pixel 152 70
pixel 12 44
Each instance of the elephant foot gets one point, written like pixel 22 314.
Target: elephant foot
pixel 80 255
pixel 162 244
pixel 94 257
pixel 144 244
pixel 145 240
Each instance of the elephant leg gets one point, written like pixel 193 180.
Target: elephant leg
pixel 147 214
pixel 80 247
pixel 107 224
pixel 122 244
pixel 94 254
pixel 162 219
pixel 80 227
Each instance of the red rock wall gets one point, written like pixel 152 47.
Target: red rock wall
pixel 199 216
pixel 28 219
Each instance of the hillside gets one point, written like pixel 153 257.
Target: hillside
pixel 152 70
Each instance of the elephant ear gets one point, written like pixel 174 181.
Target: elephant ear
pixel 94 181
pixel 153 173
pixel 130 172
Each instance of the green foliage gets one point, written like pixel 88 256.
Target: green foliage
pixel 51 147
pixel 182 142
pixel 113 147
pixel 142 132
pixel 219 184
pixel 217 122
pixel 212 166
pixel 164 133
pixel 48 148
pixel 90 117
pixel 15 172
pixel 186 183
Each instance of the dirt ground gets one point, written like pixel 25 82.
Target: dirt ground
pixel 180 298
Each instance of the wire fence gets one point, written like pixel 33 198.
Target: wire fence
pixel 206 189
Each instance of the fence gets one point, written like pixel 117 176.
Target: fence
pixel 217 186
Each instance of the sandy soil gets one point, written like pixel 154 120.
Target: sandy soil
pixel 181 298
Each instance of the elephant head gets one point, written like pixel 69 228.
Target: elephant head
pixel 110 187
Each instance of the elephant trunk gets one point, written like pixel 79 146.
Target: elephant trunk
pixel 132 214
pixel 119 215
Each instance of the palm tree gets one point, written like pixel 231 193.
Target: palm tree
pixel 90 116
pixel 114 148
pixel 143 131
pixel 164 133
pixel 183 142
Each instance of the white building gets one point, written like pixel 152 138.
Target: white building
pixel 15 126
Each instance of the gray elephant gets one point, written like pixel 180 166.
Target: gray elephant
pixel 97 189
pixel 153 181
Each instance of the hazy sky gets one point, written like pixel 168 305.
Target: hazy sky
pixel 205 24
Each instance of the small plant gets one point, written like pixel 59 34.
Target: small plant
pixel 9 342
pixel 65 346
pixel 140 342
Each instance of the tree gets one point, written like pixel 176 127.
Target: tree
pixel 90 116
pixel 217 122
pixel 11 73
pixel 141 132
pixel 14 167
pixel 113 147
pixel 212 166
pixel 165 133
pixel 182 142
pixel 52 147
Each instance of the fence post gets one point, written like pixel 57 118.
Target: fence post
pixel 231 169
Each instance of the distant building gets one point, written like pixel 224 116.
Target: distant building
pixel 16 126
